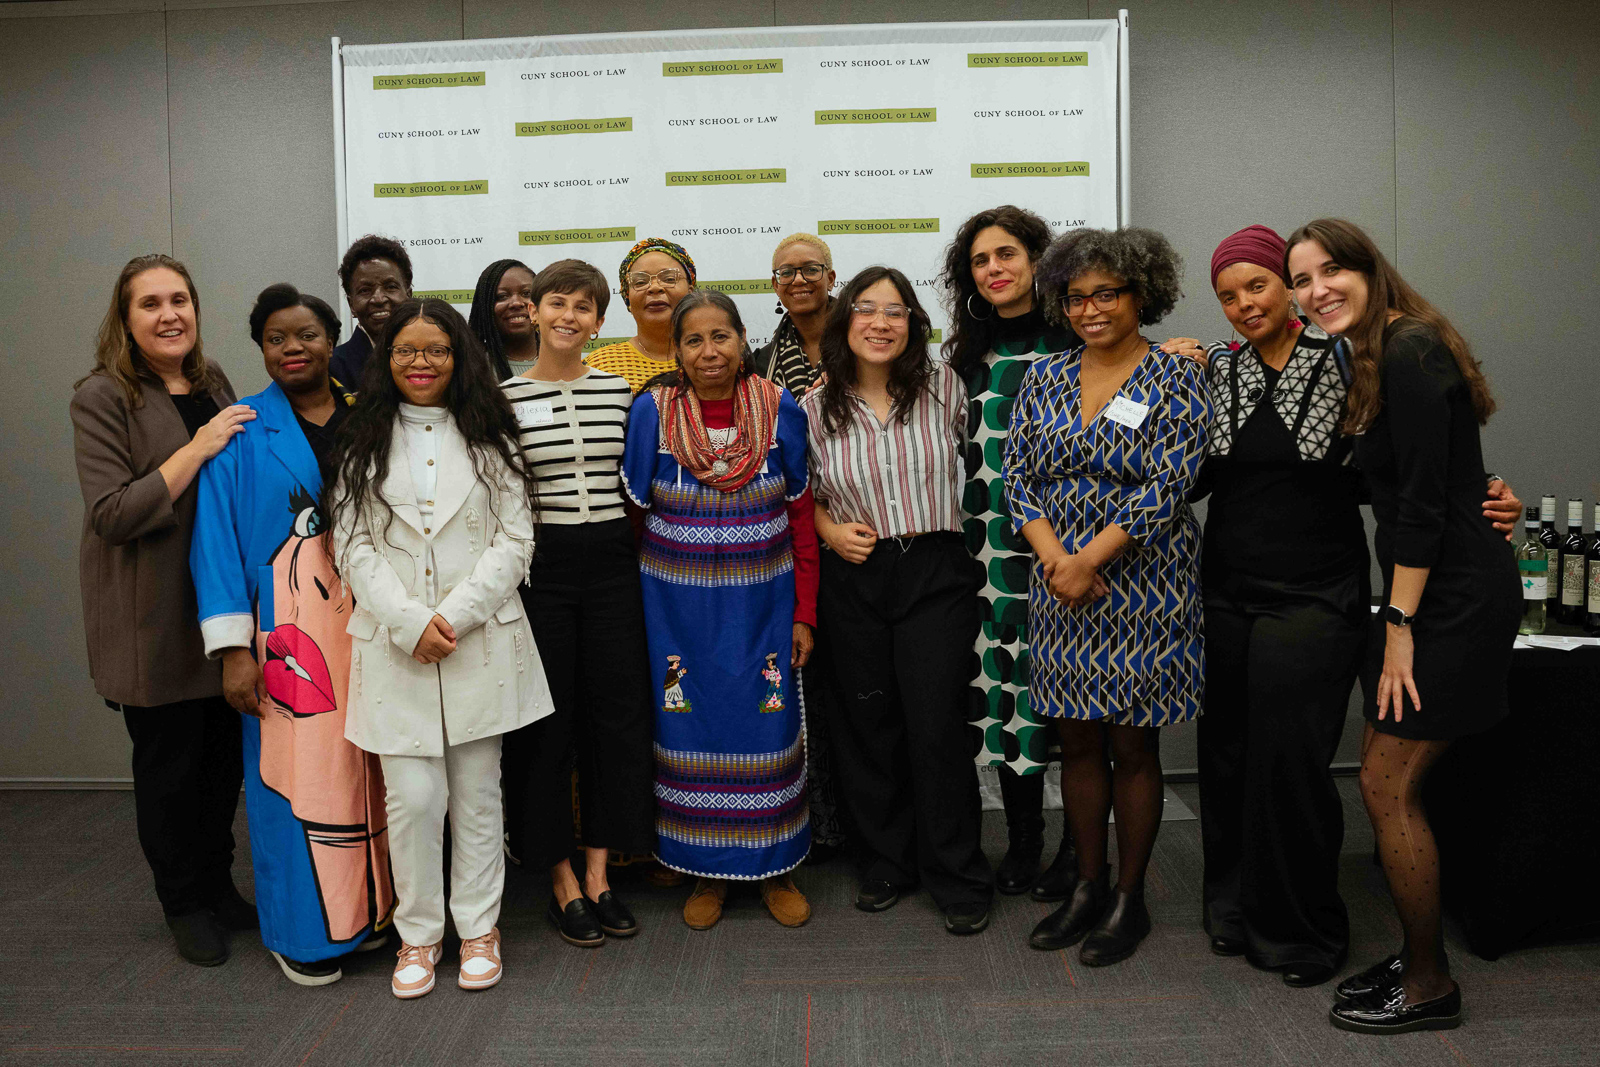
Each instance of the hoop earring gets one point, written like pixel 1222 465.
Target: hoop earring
pixel 973 314
pixel 595 336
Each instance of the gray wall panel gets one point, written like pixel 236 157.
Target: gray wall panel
pixel 85 190
pixel 1498 157
pixel 252 150
pixel 517 18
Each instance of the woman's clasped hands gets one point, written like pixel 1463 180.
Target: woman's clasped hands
pixel 436 642
pixel 1073 580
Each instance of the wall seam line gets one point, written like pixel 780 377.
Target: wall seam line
pixel 1394 143
pixel 166 56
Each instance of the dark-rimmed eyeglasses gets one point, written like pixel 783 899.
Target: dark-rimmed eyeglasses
pixel 810 272
pixel 405 355
pixel 1104 299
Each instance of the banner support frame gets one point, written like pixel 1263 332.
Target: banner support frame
pixel 1124 125
pixel 341 201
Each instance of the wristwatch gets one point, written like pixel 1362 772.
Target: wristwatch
pixel 1394 616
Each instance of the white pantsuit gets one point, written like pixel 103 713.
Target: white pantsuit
pixel 437 540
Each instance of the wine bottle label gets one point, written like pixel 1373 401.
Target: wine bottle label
pixel 1533 586
pixel 1571 580
pixel 1594 590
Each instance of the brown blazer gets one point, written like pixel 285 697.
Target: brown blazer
pixel 139 609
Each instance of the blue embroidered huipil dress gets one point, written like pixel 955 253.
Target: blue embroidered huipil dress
pixel 1135 656
pixel 717 573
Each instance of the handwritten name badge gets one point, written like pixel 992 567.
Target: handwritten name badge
pixel 533 413
pixel 1129 413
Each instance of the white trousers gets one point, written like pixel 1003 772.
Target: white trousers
pixel 465 782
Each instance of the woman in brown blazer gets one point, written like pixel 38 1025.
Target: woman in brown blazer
pixel 144 420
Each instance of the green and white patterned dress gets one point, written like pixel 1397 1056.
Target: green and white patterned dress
pixel 1012 734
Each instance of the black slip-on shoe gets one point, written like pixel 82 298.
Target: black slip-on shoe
pixel 199 938
pixel 966 917
pixel 1117 936
pixel 1222 945
pixel 1019 868
pixel 613 915
pixel 1385 974
pixel 876 894
pixel 1386 1012
pixel 309 973
pixel 1305 974
pixel 1071 922
pixel 576 923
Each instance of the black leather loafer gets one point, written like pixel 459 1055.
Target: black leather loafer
pixel 966 918
pixel 1385 974
pixel 613 915
pixel 576 923
pixel 1019 868
pixel 232 911
pixel 1058 879
pixel 1069 924
pixel 199 938
pixel 1386 1012
pixel 1119 931
pixel 876 894
pixel 1306 974
pixel 1227 946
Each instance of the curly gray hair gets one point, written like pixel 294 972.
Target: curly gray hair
pixel 1142 258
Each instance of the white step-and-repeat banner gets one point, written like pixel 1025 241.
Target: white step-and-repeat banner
pixel 882 139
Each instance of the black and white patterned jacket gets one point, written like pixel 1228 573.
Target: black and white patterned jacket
pixel 1309 396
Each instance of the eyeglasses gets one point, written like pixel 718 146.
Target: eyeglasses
pixel 1104 299
pixel 668 278
pixel 893 313
pixel 810 272
pixel 405 355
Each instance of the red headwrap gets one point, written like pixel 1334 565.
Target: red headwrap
pixel 1253 244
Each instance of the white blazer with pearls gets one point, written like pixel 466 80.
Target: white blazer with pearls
pixel 462 562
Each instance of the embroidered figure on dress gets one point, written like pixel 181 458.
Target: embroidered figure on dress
pixel 773 701
pixel 674 691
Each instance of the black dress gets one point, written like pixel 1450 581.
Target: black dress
pixel 1424 463
pixel 1284 577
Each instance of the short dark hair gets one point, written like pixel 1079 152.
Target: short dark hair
pixel 1143 259
pixel 573 276
pixel 274 298
pixel 373 246
pixel 908 374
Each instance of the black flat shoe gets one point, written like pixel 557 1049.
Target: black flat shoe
pixel 1385 974
pixel 612 914
pixel 1119 932
pixel 199 938
pixel 309 973
pixel 1304 975
pixel 1071 922
pixel 232 911
pixel 1058 879
pixel 1020 867
pixel 576 922
pixel 1386 1012
pixel 966 918
pixel 1227 946
pixel 876 894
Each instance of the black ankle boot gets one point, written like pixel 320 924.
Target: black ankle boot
pixel 1121 929
pixel 1068 924
pixel 1058 879
pixel 1020 867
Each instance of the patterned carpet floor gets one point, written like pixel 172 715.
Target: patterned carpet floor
pixel 88 976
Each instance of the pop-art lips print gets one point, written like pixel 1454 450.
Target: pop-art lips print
pixel 296 673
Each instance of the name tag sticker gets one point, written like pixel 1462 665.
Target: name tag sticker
pixel 533 412
pixel 1129 413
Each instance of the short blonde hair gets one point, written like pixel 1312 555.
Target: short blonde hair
pixel 806 239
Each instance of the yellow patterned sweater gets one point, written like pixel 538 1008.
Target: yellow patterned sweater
pixel 627 361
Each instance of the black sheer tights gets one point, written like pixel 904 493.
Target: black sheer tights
pixel 1091 788
pixel 1392 772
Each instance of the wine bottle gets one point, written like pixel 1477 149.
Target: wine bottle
pixel 1552 544
pixel 1591 620
pixel 1572 553
pixel 1532 567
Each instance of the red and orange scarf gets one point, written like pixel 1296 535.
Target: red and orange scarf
pixel 683 430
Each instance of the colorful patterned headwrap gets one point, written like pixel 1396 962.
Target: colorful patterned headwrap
pixel 655 244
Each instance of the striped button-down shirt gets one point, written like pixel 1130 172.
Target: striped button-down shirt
pixel 901 477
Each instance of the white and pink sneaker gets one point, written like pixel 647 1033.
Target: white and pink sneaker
pixel 481 966
pixel 413 971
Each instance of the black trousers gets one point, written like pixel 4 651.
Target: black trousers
pixel 188 768
pixel 1280 664
pixel 901 626
pixel 583 602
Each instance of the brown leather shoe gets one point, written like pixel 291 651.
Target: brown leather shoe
pixel 786 903
pixel 704 907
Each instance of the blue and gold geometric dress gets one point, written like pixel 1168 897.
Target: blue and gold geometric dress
pixel 1136 656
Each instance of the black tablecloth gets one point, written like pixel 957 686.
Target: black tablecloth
pixel 1516 809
